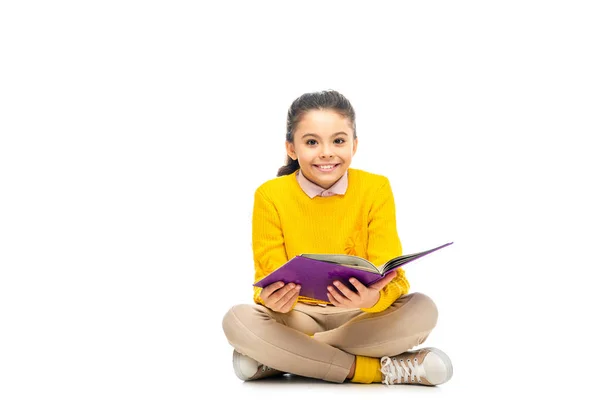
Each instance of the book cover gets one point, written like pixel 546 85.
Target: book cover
pixel 315 275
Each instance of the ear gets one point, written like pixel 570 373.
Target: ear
pixel 289 148
pixel 355 146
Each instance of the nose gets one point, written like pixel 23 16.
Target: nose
pixel 326 152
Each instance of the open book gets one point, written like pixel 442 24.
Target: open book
pixel 314 272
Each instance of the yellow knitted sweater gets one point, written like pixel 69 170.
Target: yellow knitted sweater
pixel 286 222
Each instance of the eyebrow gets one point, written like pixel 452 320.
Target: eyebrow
pixel 314 134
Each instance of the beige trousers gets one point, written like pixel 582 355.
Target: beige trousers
pixel 282 341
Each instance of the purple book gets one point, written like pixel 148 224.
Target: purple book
pixel 317 271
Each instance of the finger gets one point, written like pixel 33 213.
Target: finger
pixel 272 300
pixel 337 295
pixel 270 289
pixel 333 301
pixel 286 303
pixel 287 306
pixel 286 293
pixel 362 289
pixel 290 294
pixel 381 284
pixel 345 291
pixel 279 294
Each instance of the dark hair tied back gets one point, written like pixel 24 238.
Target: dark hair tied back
pixel 323 100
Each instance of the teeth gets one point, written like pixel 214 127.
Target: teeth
pixel 326 166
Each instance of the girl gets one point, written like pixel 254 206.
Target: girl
pixel 318 204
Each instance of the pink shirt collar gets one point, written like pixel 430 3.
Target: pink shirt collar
pixel 313 190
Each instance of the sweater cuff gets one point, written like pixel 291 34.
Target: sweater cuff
pixel 389 294
pixel 385 300
pixel 257 299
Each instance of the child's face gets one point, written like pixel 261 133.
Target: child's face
pixel 324 146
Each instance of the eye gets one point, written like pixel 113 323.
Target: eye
pixel 339 141
pixel 310 142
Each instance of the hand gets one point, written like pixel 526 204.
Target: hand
pixel 280 297
pixel 366 297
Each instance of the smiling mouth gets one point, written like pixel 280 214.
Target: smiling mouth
pixel 326 167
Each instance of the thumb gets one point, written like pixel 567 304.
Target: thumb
pixel 386 279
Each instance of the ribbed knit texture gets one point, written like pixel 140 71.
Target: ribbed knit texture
pixel 367 370
pixel 286 223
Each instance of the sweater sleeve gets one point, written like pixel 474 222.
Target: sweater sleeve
pixel 267 240
pixel 384 244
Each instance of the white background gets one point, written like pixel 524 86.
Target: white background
pixel 133 135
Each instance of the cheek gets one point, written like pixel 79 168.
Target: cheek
pixel 307 164
pixel 348 153
pixel 306 157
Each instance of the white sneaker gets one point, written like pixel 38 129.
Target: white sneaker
pixel 428 366
pixel 248 369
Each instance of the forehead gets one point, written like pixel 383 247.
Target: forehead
pixel 323 122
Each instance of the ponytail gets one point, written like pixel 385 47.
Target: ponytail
pixel 323 100
pixel 289 168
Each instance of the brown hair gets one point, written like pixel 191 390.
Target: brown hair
pixel 323 100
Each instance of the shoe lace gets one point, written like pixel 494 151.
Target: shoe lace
pixel 403 371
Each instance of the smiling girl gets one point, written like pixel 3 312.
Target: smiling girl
pixel 318 204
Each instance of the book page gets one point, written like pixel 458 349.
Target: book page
pixel 347 260
pixel 400 260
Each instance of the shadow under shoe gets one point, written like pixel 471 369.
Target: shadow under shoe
pixel 428 366
pixel 248 369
